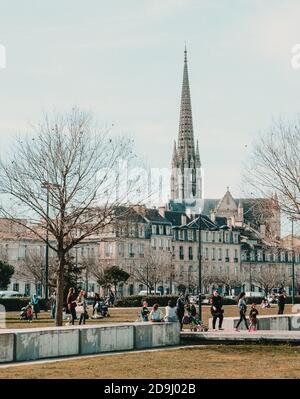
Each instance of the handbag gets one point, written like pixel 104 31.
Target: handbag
pixel 186 319
pixel 79 309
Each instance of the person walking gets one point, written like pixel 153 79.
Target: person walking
pixel 96 304
pixel 35 305
pixel 253 318
pixel 180 309
pixel 145 311
pixel 81 301
pixel 281 302
pixel 53 304
pixel 216 310
pixel 71 304
pixel 243 309
pixel 171 314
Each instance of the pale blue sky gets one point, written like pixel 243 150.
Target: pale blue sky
pixel 123 59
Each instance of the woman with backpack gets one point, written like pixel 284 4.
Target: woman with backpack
pixel 243 309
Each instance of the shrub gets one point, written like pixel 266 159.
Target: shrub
pixel 15 304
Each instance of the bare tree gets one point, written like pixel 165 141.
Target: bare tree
pixel 275 166
pixel 269 277
pixel 79 166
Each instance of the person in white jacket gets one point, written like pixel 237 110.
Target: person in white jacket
pixel 171 314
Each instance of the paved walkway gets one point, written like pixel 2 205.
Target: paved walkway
pixel 231 337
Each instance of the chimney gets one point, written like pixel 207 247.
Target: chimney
pixel 140 209
pixel 162 210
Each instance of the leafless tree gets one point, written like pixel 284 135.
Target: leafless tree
pixel 275 166
pixel 269 277
pixel 79 167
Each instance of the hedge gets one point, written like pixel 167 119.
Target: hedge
pixel 15 304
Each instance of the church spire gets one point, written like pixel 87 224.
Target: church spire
pixel 186 134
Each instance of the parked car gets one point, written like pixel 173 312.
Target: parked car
pixel 144 293
pixel 10 294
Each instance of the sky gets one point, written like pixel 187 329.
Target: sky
pixel 123 61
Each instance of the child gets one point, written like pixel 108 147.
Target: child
pixel 145 311
pixel 253 320
pixel 29 313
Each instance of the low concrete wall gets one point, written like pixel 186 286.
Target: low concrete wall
pixel 45 343
pixel 269 322
pixel 151 335
pixel 41 343
pixel 6 347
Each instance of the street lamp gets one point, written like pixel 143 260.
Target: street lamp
pixel 47 186
pixel 293 263
pixel 200 264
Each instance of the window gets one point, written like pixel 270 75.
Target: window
pixel 180 235
pixel 131 250
pixel 153 243
pixel 108 249
pixel 141 250
pixel 213 234
pixel 190 235
pixel 220 237
pixel 226 237
pixel 168 241
pixel 235 238
pixel 227 255
pixel 206 236
pixel 161 243
pixel 181 253
pixel 236 259
pixel 153 229
pixel 220 253
pixel 190 253
pixel 27 289
pixel 168 230
pixel 141 231
pixel 213 254
pixel 161 229
pixel 121 248
pixel 91 287
pixel 16 287
pixel 206 253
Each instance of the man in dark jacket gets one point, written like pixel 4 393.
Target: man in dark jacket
pixel 281 302
pixel 216 310
pixel 180 309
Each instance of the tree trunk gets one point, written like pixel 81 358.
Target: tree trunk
pixel 60 291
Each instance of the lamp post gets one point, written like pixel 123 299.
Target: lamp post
pixel 47 186
pixel 293 264
pixel 200 265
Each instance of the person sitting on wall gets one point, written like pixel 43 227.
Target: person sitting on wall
pixel 155 314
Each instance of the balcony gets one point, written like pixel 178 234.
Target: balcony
pixel 226 259
pixel 236 260
pixel 191 257
pixel 181 256
pixel 131 254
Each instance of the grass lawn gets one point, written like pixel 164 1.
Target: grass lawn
pixel 242 361
pixel 122 315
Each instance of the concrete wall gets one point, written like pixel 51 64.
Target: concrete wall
pixel 273 322
pixel 42 343
pixel 6 347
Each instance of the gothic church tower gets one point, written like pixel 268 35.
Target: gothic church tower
pixel 186 180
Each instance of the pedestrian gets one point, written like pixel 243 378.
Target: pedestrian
pixel 96 304
pixel 216 310
pixel 81 301
pixel 171 314
pixel 71 304
pixel 155 314
pixel 145 311
pixel 243 309
pixel 111 298
pixel 35 304
pixel 53 304
pixel 180 309
pixel 281 301
pixel 253 318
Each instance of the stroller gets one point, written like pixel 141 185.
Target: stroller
pixel 196 324
pixel 100 310
pixel 23 313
